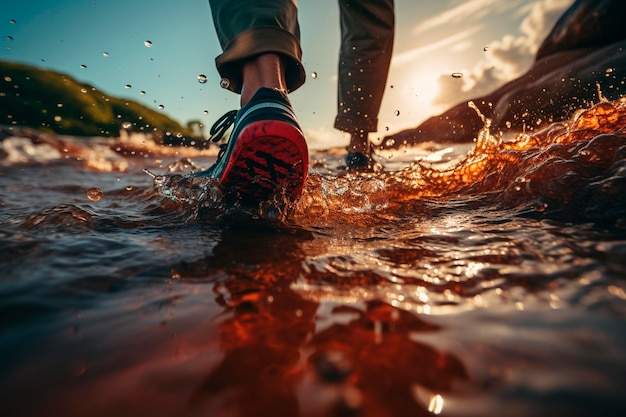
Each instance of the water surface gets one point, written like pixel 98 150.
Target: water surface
pixel 480 280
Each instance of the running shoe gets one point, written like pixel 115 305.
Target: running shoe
pixel 358 161
pixel 266 154
pixel 362 161
pixel 360 153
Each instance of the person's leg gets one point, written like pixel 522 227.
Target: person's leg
pixel 249 29
pixel 267 70
pixel 367 32
pixel 266 154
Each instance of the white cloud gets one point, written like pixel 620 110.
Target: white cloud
pixel 461 46
pixel 507 58
pixel 325 137
pixel 474 9
pixel 542 17
pixel 453 41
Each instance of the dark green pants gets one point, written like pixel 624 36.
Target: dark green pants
pixel 247 28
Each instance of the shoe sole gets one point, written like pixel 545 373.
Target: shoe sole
pixel 270 158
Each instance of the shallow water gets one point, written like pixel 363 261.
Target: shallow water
pixel 482 280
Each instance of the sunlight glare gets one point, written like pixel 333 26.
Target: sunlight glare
pixel 413 95
pixel 436 404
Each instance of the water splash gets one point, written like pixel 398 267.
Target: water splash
pixel 541 170
pixel 494 164
pixel 328 195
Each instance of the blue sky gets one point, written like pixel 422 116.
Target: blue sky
pixel 102 42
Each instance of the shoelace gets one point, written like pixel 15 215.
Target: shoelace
pixel 219 128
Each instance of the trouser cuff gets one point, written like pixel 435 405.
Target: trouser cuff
pixel 257 41
pixel 351 124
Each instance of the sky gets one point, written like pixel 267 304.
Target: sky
pixel 154 52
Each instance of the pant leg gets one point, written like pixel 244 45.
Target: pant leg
pixel 367 32
pixel 247 28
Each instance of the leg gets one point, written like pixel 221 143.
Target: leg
pixel 267 70
pixel 248 29
pixel 266 154
pixel 367 32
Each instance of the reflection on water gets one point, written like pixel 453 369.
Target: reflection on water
pixel 483 280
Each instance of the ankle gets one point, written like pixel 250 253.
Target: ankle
pixel 266 70
pixel 359 143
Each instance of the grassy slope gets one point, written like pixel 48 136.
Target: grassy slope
pixel 54 102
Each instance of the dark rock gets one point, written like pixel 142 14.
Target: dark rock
pixel 586 24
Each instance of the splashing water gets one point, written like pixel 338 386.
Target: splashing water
pixel 515 172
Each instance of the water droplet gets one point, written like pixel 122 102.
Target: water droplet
pixel 161 107
pixel 83 66
pixel 105 54
pixel 540 206
pixel 202 78
pixel 129 188
pixel 314 75
pixel 486 48
pixel 83 90
pixel 9 37
pixel 127 86
pixel 94 194
pixel 143 93
pixel 12 21
pixel 457 75
pixel 8 79
pixel 148 44
pixel 206 112
pixel 397 112
pixel 127 125
pixel 224 83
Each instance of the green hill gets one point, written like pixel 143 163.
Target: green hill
pixel 56 103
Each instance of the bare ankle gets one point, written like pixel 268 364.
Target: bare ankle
pixel 266 70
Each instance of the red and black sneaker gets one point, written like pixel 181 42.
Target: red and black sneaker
pixel 266 153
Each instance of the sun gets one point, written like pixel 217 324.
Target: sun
pixel 409 99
